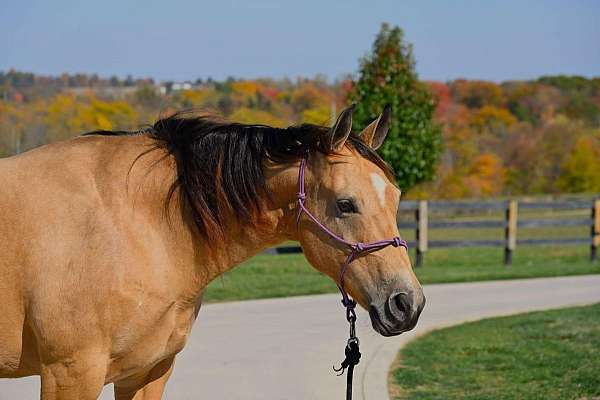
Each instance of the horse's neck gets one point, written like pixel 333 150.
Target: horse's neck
pixel 242 240
pixel 276 224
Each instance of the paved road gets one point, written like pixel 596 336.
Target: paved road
pixel 284 348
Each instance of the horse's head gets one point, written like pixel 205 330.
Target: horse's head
pixel 350 191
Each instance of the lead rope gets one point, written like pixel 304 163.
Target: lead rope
pixel 352 350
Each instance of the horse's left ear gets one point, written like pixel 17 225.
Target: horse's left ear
pixel 375 133
pixel 338 134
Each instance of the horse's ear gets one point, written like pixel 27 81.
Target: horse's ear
pixel 375 133
pixel 340 131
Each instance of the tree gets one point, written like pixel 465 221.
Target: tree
pixel 581 170
pixel 67 116
pixel 492 119
pixel 476 94
pixel 486 176
pixel 387 76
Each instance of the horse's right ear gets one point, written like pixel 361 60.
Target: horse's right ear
pixel 340 131
pixel 374 134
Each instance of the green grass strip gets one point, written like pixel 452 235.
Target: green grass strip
pixel 290 275
pixel 542 355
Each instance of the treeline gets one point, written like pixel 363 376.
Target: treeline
pixel 26 85
pixel 527 137
pixel 514 138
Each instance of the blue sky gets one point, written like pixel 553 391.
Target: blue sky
pixel 176 39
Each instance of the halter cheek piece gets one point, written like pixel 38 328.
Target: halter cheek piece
pixel 356 250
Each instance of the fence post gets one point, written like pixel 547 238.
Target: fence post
pixel 595 230
pixel 510 231
pixel 421 232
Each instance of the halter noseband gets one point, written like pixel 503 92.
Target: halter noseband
pixel 356 249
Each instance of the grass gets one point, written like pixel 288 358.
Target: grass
pixel 479 264
pixel 290 275
pixel 542 355
pixel 267 276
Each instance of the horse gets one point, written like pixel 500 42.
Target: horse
pixel 109 240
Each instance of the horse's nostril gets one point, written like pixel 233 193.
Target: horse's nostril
pixel 399 313
pixel 401 304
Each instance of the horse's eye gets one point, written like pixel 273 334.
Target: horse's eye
pixel 346 206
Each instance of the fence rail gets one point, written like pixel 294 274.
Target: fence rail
pixel 511 224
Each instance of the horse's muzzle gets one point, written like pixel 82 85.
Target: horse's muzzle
pixel 398 313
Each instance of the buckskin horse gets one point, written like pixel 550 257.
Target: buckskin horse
pixel 109 240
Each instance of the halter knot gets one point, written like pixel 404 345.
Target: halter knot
pixel 397 242
pixel 359 246
pixel 301 196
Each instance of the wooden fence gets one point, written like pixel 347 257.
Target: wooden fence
pixel 510 224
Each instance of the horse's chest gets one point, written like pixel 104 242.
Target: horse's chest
pixel 175 332
pixel 150 339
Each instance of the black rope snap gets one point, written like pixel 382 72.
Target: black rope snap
pixel 352 351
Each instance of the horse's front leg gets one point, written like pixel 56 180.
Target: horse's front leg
pixel 77 377
pixel 150 387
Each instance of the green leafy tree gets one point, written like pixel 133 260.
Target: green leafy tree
pixel 387 76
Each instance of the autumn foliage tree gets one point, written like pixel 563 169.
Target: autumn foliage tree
pixel 580 172
pixel 387 76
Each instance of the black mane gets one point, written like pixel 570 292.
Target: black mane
pixel 220 164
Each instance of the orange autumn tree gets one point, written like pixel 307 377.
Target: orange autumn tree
pixel 486 176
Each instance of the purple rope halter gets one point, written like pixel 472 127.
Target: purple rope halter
pixel 356 249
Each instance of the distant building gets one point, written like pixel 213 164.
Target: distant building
pixel 168 87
